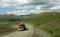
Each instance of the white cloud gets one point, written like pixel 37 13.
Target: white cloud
pixel 13 12
pixel 30 6
pixel 16 1
pixel 18 12
pixel 25 12
pixel 26 7
pixel 3 4
pixel 8 3
pixel 36 11
pixel 39 7
pixel 55 7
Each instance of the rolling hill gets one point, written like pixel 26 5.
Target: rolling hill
pixel 43 18
pixel 8 18
pixel 47 21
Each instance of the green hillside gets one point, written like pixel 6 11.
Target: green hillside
pixel 43 18
pixel 52 28
pixel 8 18
pixel 7 22
pixel 47 21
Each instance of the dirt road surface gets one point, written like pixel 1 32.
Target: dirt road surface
pixel 31 32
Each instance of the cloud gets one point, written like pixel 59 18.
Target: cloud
pixel 38 7
pixel 29 6
pixel 26 7
pixel 16 1
pixel 36 11
pixel 57 2
pixel 18 12
pixel 21 3
pixel 55 8
pixel 10 3
pixel 46 5
pixel 40 2
pixel 25 12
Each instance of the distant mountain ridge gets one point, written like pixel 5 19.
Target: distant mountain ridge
pixel 8 17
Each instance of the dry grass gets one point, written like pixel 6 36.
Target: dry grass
pixel 53 28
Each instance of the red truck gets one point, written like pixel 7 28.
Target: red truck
pixel 21 26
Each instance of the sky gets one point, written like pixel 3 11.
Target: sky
pixel 24 7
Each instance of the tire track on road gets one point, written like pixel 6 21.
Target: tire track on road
pixel 40 33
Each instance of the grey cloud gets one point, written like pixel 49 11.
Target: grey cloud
pixel 44 2
pixel 39 2
pixel 47 4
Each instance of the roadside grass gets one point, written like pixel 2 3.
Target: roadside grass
pixel 7 31
pixel 46 25
pixel 7 27
pixel 52 27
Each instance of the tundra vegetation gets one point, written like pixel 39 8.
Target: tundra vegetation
pixel 47 21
